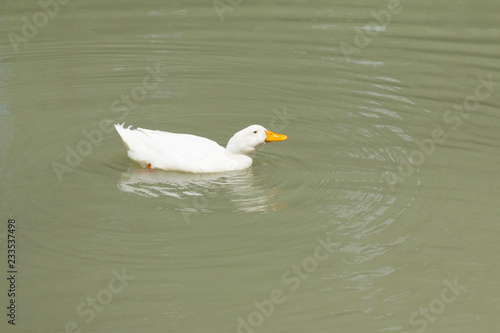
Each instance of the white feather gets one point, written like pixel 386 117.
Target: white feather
pixel 191 153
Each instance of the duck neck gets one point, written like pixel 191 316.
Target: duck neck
pixel 234 147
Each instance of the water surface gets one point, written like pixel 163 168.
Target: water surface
pixel 377 214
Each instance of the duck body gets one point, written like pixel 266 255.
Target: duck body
pixel 191 153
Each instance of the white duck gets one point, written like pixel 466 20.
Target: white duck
pixel 191 153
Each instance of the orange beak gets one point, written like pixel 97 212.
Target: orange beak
pixel 274 137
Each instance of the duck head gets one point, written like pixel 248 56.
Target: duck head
pixel 248 139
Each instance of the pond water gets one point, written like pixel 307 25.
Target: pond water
pixel 377 214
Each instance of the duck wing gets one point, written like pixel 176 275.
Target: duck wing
pixel 170 151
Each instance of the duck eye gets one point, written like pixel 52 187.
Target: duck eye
pixel 254 132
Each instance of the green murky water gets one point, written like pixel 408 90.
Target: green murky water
pixel 378 214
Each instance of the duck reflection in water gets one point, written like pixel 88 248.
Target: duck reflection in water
pixel 244 190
